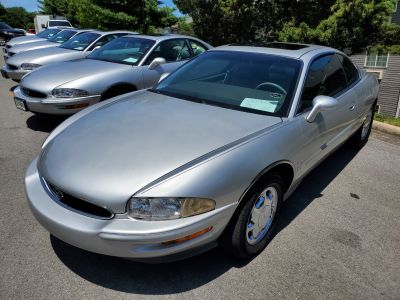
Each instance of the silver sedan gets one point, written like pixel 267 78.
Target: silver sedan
pixel 206 157
pixel 77 47
pixel 123 65
pixel 54 41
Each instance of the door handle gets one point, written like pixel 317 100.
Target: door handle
pixel 352 107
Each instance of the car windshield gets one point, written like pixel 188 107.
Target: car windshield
pixel 4 26
pixel 48 33
pixel 62 36
pixel 125 50
pixel 81 41
pixel 252 82
pixel 59 23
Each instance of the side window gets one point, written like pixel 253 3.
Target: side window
pixel 325 77
pixel 171 51
pixel 349 68
pixel 102 41
pixel 197 47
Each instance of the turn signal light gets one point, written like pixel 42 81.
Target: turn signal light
pixel 189 237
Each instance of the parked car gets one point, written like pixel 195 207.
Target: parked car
pixel 54 41
pixel 75 48
pixel 56 23
pixel 205 157
pixel 7 33
pixel 41 36
pixel 123 65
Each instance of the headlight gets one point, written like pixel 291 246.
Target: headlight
pixel 69 93
pixel 29 66
pixel 154 209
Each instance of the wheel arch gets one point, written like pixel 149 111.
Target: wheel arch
pixel 124 86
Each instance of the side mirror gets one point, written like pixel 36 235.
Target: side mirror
pixel 321 103
pixel 156 62
pixel 44 26
pixel 163 76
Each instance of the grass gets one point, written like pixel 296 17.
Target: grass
pixel 386 119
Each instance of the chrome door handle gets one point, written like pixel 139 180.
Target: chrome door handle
pixel 352 107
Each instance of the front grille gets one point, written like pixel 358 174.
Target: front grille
pixel 12 67
pixel 32 93
pixel 79 205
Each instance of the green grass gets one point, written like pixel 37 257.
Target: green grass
pixel 386 119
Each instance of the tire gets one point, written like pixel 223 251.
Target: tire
pixel 240 239
pixel 2 41
pixel 360 137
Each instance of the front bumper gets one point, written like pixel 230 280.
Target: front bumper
pixel 122 236
pixel 16 75
pixel 55 106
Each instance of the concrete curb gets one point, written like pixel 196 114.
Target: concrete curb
pixel 391 129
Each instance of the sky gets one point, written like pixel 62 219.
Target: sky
pixel 31 5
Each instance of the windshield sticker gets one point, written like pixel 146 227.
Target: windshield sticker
pixel 130 60
pixel 259 104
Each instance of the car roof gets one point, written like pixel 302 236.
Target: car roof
pixel 162 37
pixel 293 50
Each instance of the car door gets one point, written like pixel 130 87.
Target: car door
pixel 325 76
pixel 175 51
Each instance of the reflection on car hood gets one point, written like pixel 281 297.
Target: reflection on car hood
pixel 44 56
pixel 48 77
pixel 32 46
pixel 24 39
pixel 112 152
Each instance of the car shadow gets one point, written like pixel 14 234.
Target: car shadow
pixel 314 183
pixel 169 278
pixel 44 123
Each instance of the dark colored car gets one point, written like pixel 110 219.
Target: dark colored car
pixel 7 33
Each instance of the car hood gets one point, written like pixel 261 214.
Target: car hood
pixel 109 154
pixel 44 56
pixel 23 40
pixel 32 46
pixel 45 79
pixel 18 31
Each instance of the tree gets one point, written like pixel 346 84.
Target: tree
pixel 352 24
pixel 17 17
pixel 138 15
pixel 221 21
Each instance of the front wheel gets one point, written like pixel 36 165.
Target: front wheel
pixel 360 138
pixel 253 227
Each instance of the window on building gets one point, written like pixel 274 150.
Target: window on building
pixel 378 60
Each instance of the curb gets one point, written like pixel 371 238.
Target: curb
pixel 391 129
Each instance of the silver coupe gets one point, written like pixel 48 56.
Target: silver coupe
pixel 123 65
pixel 205 157
pixel 77 47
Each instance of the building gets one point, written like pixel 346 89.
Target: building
pixel 386 68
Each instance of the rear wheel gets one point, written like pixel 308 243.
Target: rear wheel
pixel 360 138
pixel 252 229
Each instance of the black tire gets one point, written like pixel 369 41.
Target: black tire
pixel 234 239
pixel 360 137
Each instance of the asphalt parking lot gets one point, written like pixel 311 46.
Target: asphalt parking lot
pixel 339 237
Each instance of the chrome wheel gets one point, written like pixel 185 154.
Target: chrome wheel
pixel 366 125
pixel 262 215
